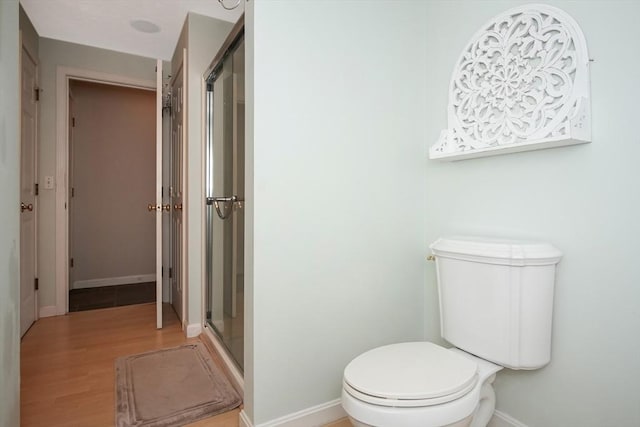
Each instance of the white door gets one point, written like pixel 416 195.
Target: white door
pixel 176 190
pixel 158 203
pixel 28 192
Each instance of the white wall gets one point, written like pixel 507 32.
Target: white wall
pixel 584 199
pixel 335 192
pixel 206 36
pixel 54 53
pixel 114 180
pixel 9 217
pixel 202 37
pixel 30 36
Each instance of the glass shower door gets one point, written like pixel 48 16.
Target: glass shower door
pixel 225 199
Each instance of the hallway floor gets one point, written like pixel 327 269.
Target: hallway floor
pixel 67 365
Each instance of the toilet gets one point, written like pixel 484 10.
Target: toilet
pixel 496 304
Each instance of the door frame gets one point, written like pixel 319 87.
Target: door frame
pixel 63 75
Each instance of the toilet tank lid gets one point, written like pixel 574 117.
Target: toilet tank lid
pixel 496 251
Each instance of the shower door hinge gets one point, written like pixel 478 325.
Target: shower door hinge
pixel 37 189
pixel 71 263
pixel 35 283
pixel 170 273
pixel 36 91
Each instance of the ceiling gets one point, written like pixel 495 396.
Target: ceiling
pixel 107 23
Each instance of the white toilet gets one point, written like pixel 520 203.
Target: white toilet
pixel 496 304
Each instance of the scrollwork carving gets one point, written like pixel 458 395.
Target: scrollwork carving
pixel 521 81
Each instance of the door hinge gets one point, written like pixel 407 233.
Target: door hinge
pixel 35 283
pixel 73 122
pixel 170 273
pixel 71 263
pixel 73 191
pixel 36 91
pixel 37 189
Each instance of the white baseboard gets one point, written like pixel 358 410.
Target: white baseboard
pixel 311 417
pixel 243 420
pixel 332 411
pixel 193 330
pixel 112 281
pixel 500 419
pixel 48 311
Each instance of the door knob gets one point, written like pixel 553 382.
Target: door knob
pixel 151 207
pixel 24 207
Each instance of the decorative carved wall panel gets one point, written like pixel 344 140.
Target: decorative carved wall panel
pixel 522 83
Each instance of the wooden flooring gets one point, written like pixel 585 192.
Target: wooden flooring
pixel 67 365
pixel 67 374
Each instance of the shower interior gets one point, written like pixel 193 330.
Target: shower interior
pixel 224 187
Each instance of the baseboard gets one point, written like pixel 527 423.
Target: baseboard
pixel 500 419
pixel 243 420
pixel 48 311
pixel 193 330
pixel 112 281
pixel 311 417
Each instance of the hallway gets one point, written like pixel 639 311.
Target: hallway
pixel 67 364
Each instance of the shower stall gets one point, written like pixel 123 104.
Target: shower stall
pixel 224 187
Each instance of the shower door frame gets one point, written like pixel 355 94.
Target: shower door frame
pixel 235 37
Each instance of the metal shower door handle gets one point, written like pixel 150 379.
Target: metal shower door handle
pixel 228 209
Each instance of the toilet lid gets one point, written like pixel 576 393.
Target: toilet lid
pixel 413 371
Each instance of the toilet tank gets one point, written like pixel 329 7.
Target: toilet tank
pixel 496 298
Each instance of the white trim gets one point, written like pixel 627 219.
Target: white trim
pixel 48 311
pixel 113 281
pixel 193 330
pixel 185 187
pixel 236 376
pixel 318 415
pixel 63 75
pixel 159 187
pixel 500 419
pixel 243 420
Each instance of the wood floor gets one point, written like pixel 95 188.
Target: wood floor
pixel 67 365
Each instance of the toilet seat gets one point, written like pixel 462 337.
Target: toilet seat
pixel 413 374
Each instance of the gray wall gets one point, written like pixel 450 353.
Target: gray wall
pixel 9 217
pixel 114 164
pixel 584 199
pixel 336 193
pixel 53 54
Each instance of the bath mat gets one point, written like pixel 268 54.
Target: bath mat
pixel 171 387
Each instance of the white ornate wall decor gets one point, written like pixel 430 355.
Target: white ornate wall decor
pixel 522 83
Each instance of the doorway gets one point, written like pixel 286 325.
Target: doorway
pixel 225 171
pixel 112 143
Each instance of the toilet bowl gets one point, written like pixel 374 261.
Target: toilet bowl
pixel 496 301
pixel 417 384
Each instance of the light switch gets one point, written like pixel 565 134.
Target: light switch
pixel 48 182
